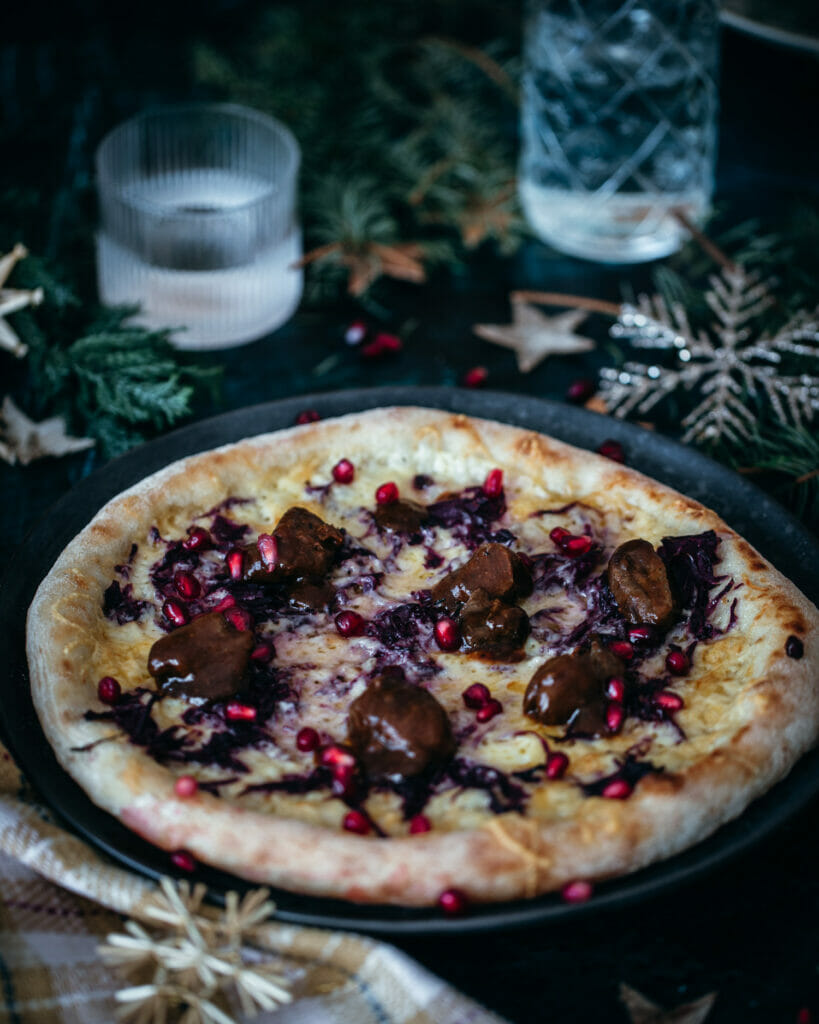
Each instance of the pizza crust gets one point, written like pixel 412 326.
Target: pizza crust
pixel 770 719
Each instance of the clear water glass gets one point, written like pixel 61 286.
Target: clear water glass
pixel 619 123
pixel 198 222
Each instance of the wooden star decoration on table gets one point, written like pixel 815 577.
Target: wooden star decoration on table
pixel 366 262
pixel 14 299
pixel 22 440
pixel 533 336
pixel 643 1011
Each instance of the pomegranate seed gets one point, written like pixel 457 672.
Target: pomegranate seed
pixel 356 332
pixel 350 623
pixel 307 416
pixel 334 757
pixel 491 708
pixel 344 781
pixel 355 821
pixel 616 688
pixel 556 765
pixel 447 635
pixel 804 1016
pixel 669 701
pixel 476 377
pixel 677 663
pixel 235 563
pixel 382 344
pixel 183 860
pixel 237 712
pixel 108 690
pixel 580 390
pixel 641 634
pixel 577 891
pixel 558 535
pixel 476 696
pixel 617 789
pixel 307 739
pixel 268 551
pixel 612 450
pixel 225 603
pixel 187 585
pixel 185 786
pixel 453 902
pixel 263 653
pixel 615 716
pixel 622 648
pixel 343 472
pixel 387 494
pixel 493 484
pixel 197 538
pixel 241 620
pixel 175 612
pixel 578 545
pixel 419 823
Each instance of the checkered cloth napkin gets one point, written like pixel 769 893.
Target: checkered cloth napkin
pixel 59 899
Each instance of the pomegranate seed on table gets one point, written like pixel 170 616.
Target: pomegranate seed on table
pixel 238 712
pixel 476 695
pixel 453 902
pixel 197 538
pixel 476 377
pixel 669 701
pixel 186 584
pixel 382 344
pixel 350 624
pixel 615 716
pixel 108 690
pixel 268 551
pixel 307 416
pixel 241 620
pixel 577 891
pixel 447 635
pixel 677 663
pixel 617 789
pixel 613 450
pixel 622 648
pixel 185 786
pixel 616 688
pixel 175 613
pixel 556 765
pixel 580 390
pixel 491 708
pixel 343 472
pixel 419 823
pixel 235 563
pixel 355 821
pixel 183 860
pixel 493 484
pixel 307 739
pixel 387 494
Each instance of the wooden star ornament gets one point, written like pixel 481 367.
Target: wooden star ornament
pixel 533 336
pixel 642 1011
pixel 14 299
pixel 22 440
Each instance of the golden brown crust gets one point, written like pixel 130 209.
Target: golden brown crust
pixel 751 713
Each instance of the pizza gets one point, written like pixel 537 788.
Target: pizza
pixel 407 656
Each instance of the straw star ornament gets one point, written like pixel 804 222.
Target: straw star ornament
pixel 14 299
pixel 533 336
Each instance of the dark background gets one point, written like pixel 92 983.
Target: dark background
pixel 70 72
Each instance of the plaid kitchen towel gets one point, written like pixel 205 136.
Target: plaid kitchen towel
pixel 59 899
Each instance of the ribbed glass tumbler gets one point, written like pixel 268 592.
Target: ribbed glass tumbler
pixel 198 222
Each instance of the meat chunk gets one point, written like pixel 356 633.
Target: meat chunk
pixel 490 626
pixel 493 568
pixel 306 548
pixel 570 689
pixel 639 583
pixel 401 516
pixel 207 658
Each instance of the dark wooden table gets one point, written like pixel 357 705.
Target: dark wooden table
pixel 749 931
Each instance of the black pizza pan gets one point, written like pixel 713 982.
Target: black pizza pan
pixel 777 535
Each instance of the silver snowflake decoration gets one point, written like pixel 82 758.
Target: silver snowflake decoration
pixel 727 363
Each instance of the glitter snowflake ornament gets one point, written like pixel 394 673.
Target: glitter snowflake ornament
pixel 189 962
pixel 728 364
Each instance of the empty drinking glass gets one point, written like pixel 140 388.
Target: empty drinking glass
pixel 619 118
pixel 198 222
